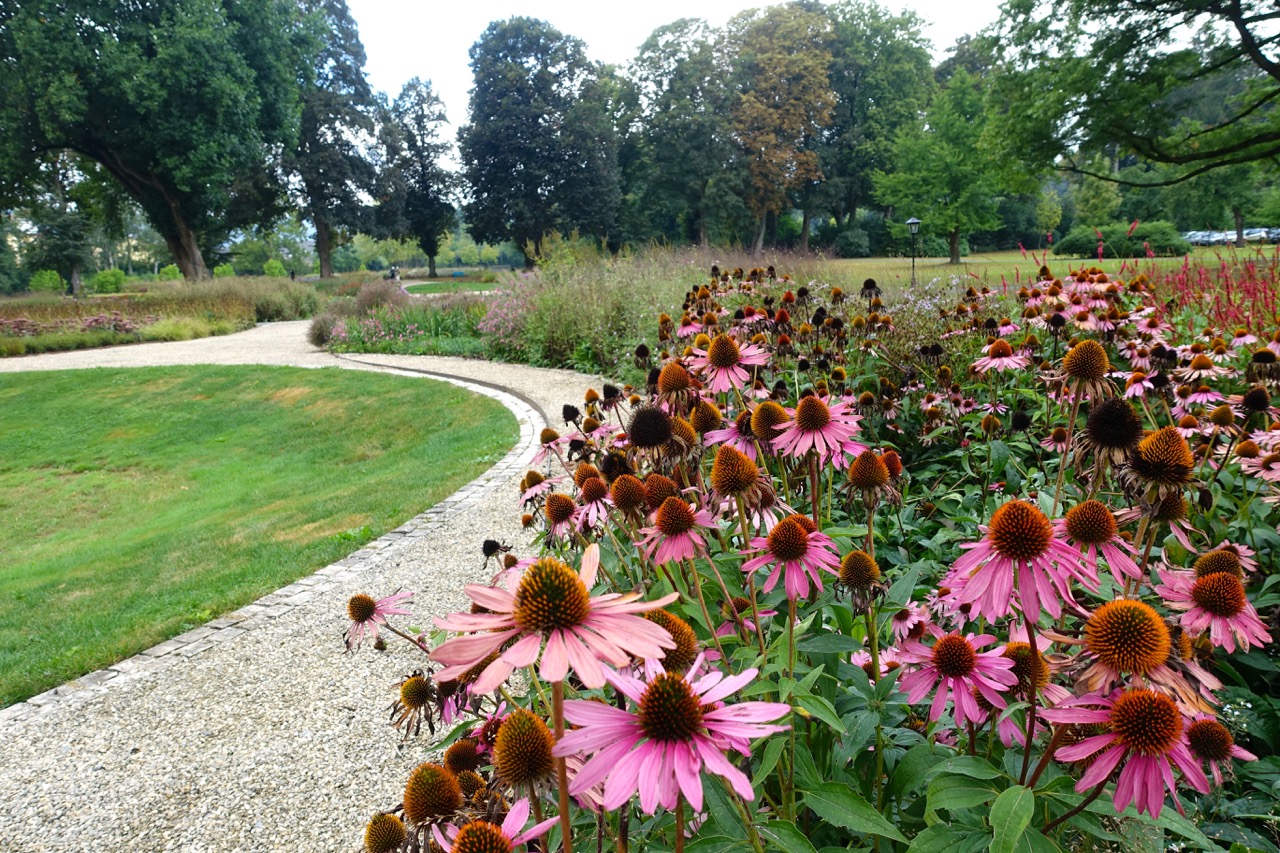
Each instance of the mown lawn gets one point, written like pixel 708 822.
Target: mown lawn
pixel 140 503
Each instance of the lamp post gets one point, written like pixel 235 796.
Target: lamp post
pixel 913 225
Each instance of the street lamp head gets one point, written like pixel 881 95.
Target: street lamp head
pixel 913 225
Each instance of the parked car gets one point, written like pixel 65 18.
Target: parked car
pixel 1273 235
pixel 1254 235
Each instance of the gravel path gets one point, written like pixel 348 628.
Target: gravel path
pixel 255 732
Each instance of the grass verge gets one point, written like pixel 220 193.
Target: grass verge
pixel 141 503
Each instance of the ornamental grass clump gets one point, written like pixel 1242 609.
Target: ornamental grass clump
pixel 818 583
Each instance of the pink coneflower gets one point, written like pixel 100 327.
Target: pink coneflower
pixel 1019 551
pixel 549 444
pixel 1091 526
pixel 367 614
pixel 674 535
pixel 818 427
pixel 795 550
pixel 483 835
pixel 1200 368
pixel 911 622
pixel 720 364
pixel 1137 384
pixel 594 511
pixel 550 603
pixel 1000 357
pixel 888 661
pixel 536 485
pixel 1209 740
pixel 1189 427
pixel 562 513
pixel 737 435
pixel 1266 468
pixel 1203 395
pixel 680 726
pixel 1056 440
pixel 1215 603
pixel 956 668
pixel 1144 727
pixel 1243 553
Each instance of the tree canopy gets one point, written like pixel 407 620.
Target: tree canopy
pixel 540 152
pixel 1190 83
pixel 181 101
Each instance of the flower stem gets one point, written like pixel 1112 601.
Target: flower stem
pixel 1079 807
pixel 815 495
pixel 562 775
pixel 751 579
pixel 1062 467
pixel 537 813
pixel 1059 733
pixel 702 602
pixel 679 823
pixel 1033 691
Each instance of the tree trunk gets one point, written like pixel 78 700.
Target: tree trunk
pixel 1238 213
pixel 431 266
pixel 805 218
pixel 75 284
pixel 955 245
pixel 185 251
pixel 758 247
pixel 324 245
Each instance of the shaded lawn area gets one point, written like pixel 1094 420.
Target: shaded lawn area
pixel 140 503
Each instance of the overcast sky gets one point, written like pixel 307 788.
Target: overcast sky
pixel 430 40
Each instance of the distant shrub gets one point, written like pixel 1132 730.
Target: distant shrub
pixel 224 271
pixel 853 243
pixel 47 281
pixel 274 269
pixel 1149 239
pixel 169 273
pixel 108 281
pixel 376 294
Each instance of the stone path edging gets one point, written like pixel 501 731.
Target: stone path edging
pixel 531 420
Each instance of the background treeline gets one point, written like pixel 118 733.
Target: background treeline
pixel 219 137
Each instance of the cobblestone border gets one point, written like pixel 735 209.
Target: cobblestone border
pixel 165 655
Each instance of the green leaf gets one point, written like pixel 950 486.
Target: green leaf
pixel 828 644
pixel 714 844
pixel 971 766
pixel 1033 841
pixel 773 749
pixel 912 771
pixel 721 810
pixel 842 806
pixel 1010 816
pixel 951 792
pixel 999 457
pixel 785 835
pixel 943 838
pixel 819 708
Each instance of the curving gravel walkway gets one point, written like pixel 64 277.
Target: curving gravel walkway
pixel 255 732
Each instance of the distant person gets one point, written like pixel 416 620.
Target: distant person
pixel 293 275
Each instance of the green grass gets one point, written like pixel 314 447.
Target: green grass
pixel 140 503
pixel 471 284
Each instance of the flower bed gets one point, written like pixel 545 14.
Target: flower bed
pixel 989 574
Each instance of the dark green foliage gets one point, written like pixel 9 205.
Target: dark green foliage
pixel 416 191
pixel 1162 238
pixel 330 160
pixel 180 102
pixel 1107 72
pixel 540 153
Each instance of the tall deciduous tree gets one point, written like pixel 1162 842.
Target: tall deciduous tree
pixel 539 153
pixel 181 101
pixel 784 99
pixel 682 75
pixel 415 190
pixel 330 164
pixel 882 77
pixel 938 176
pixel 1081 74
